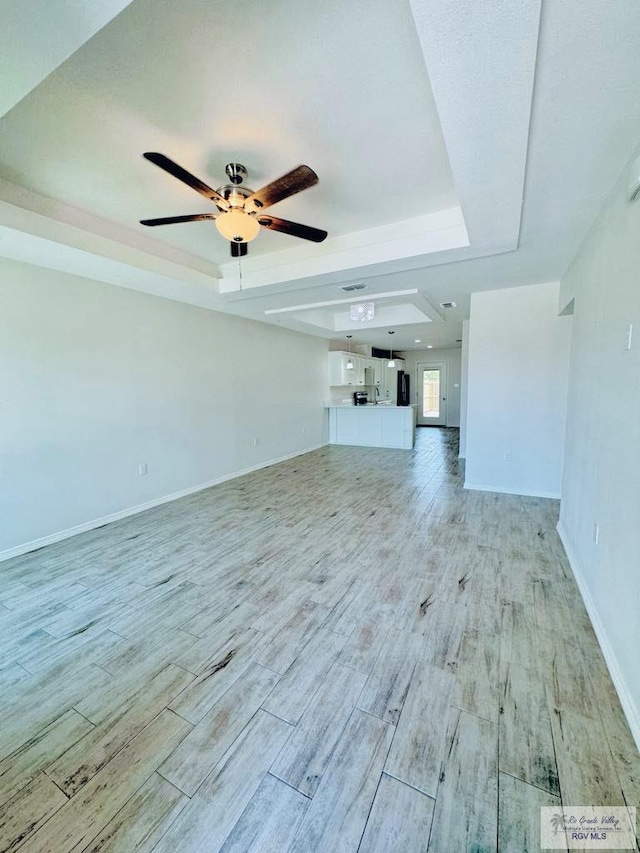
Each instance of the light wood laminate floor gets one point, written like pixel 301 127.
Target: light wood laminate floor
pixel 343 652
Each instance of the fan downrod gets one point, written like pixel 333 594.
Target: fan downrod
pixel 236 172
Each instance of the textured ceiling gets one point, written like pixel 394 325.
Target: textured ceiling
pixel 268 85
pixel 460 147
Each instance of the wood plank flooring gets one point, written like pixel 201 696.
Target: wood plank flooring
pixel 343 652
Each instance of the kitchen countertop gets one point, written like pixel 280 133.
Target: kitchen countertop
pixel 367 406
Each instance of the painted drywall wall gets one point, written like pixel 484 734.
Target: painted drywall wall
pixel 452 357
pixel 601 481
pixel 464 386
pixel 517 391
pixel 96 379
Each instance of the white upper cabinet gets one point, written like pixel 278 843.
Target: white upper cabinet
pixel 389 380
pixel 366 370
pixel 374 371
pixel 338 373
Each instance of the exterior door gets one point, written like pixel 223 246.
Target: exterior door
pixel 431 393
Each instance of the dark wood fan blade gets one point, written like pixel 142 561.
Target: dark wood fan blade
pixel 238 250
pixel 293 228
pixel 293 182
pixel 186 177
pixel 171 220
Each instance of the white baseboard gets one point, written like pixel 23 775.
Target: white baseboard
pixel 631 710
pixel 26 547
pixel 482 487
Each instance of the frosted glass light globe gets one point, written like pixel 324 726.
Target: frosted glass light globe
pixel 237 226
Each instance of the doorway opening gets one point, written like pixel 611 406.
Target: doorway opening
pixel 431 390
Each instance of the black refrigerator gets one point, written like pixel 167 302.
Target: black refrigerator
pixel 403 389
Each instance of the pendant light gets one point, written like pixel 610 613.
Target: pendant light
pixel 391 362
pixel 349 364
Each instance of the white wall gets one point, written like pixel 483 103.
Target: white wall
pixel 601 483
pixel 464 389
pixel 517 394
pixel 95 379
pixel 452 357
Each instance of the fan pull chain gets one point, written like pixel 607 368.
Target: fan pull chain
pixel 240 271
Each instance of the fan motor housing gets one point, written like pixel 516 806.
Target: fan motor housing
pixel 236 172
pixel 234 194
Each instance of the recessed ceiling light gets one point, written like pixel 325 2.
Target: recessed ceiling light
pixel 429 346
pixel 417 341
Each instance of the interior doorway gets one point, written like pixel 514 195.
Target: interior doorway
pixel 431 393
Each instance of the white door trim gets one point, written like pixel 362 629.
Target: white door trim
pixel 442 367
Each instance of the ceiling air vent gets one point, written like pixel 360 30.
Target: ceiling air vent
pixel 349 288
pixel 448 305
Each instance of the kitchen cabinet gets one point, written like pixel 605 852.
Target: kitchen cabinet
pixel 345 427
pixel 389 385
pixel 373 426
pixel 338 373
pixel 367 371
pixel 373 372
pixel 389 388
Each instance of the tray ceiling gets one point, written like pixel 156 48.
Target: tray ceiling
pixel 459 146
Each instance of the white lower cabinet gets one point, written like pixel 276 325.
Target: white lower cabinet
pixel 346 426
pixel 373 426
pixel 370 427
pixel 395 423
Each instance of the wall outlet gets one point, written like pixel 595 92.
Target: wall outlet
pixel 596 533
pixel 507 456
pixel 256 441
pixel 142 469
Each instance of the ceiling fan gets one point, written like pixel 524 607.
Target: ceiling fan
pixel 240 216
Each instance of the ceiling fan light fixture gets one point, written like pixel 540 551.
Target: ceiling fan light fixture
pixel 237 226
pixel 237 221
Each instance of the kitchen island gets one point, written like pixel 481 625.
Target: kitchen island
pixel 372 426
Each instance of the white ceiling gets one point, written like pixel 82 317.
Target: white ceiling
pixel 460 146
